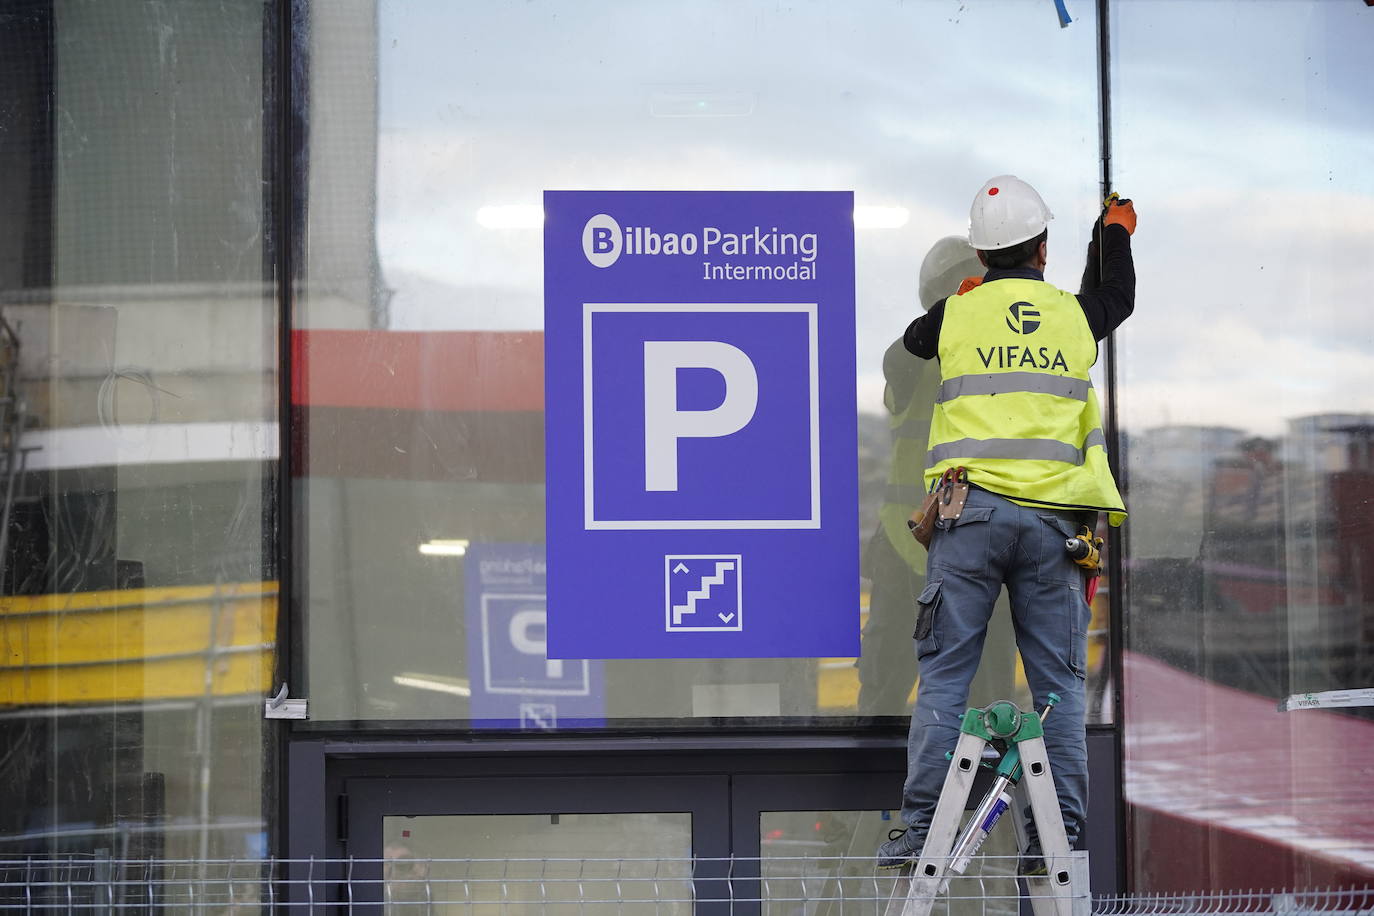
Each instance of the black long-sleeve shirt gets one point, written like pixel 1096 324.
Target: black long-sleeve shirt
pixel 1107 292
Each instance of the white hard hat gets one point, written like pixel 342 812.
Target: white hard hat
pixel 947 263
pixel 1006 211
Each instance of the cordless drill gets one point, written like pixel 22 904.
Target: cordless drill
pixel 1085 550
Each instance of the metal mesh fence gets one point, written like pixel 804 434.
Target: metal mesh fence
pixel 1331 900
pixel 804 886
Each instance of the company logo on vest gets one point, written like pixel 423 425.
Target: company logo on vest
pixel 1024 317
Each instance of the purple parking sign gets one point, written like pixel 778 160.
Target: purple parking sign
pixel 514 682
pixel 700 424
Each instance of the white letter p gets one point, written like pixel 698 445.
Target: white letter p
pixel 664 424
pixel 525 636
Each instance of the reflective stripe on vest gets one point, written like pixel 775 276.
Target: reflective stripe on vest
pixel 1009 382
pixel 1028 449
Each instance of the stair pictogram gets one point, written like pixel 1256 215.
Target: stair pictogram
pixel 703 592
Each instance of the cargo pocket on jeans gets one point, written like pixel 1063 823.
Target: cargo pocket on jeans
pixel 1053 563
pixel 963 545
pixel 927 634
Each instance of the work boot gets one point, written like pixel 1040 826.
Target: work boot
pixel 902 848
pixel 1032 862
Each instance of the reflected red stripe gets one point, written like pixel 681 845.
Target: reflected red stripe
pixel 419 370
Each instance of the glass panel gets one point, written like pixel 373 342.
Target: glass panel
pixel 435 128
pixel 826 858
pixel 823 834
pixel 540 863
pixel 1248 415
pixel 137 430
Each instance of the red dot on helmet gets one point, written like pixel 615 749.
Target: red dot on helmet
pixel 992 192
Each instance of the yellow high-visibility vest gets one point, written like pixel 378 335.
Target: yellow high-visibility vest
pixel 909 425
pixel 1016 406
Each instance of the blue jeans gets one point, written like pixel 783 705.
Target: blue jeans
pixel 996 541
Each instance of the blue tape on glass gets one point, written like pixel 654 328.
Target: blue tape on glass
pixel 1063 11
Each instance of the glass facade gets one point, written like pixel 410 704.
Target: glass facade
pixel 420 393
pixel 143 313
pixel 1246 417
pixel 138 623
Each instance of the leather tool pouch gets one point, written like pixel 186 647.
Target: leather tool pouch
pixel 946 501
pixel 922 521
pixel 953 494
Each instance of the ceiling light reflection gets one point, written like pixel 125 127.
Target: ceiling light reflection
pixel 511 216
pixel 441 547
pixel 437 682
pixel 881 217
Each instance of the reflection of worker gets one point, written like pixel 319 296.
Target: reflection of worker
pixel 1017 410
pixel 405 876
pixel 893 560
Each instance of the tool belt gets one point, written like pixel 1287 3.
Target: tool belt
pixel 945 501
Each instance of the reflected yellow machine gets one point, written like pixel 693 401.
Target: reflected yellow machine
pixel 137 644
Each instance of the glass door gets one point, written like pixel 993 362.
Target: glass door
pixel 540 844
pixel 637 842
pixel 815 835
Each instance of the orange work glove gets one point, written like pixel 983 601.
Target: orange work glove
pixel 1121 213
pixel 968 284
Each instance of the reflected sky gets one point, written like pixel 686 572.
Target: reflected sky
pixel 490 105
pixel 1241 132
pixel 1247 137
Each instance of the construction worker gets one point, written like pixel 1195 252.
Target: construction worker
pixel 1018 418
pixel 894 562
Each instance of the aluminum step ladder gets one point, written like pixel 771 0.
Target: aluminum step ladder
pixel 1025 767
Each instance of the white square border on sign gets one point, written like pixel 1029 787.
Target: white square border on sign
pixel 582 690
pixel 591 523
pixel 668 592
